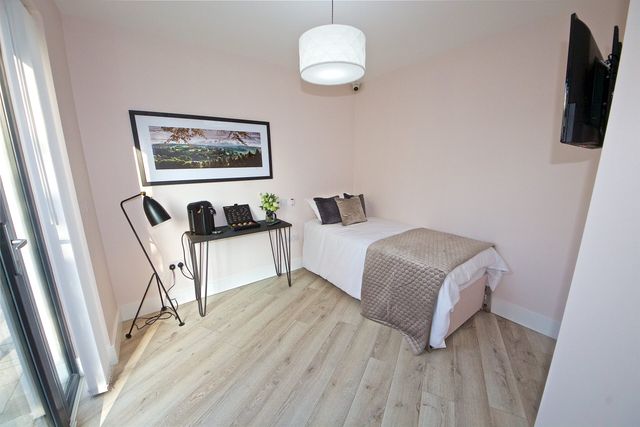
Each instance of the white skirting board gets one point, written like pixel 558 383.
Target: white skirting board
pixel 184 291
pixel 525 317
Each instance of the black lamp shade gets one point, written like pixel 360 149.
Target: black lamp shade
pixel 154 211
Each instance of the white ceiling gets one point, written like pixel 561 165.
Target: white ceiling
pixel 398 33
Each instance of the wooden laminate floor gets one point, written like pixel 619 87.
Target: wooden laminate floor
pixel 267 355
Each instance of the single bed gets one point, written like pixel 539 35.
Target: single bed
pixel 337 253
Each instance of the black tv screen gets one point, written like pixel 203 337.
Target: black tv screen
pixel 589 87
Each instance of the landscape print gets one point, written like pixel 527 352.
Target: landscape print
pixel 196 148
pixel 180 148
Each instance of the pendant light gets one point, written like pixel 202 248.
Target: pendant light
pixel 332 54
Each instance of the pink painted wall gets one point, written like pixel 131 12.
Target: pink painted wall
pixel 476 128
pixel 468 142
pixel 52 23
pixel 593 379
pixel 113 70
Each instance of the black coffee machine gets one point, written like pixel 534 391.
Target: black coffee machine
pixel 201 217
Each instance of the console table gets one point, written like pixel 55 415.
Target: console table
pixel 279 241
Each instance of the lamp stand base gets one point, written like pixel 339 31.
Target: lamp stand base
pixel 173 311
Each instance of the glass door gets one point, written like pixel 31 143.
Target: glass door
pixel 35 325
pixel 20 400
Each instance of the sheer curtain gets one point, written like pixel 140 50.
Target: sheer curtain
pixel 32 95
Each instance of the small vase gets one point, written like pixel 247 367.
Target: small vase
pixel 271 216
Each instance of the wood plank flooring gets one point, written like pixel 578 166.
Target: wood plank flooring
pixel 267 354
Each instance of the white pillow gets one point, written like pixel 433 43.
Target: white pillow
pixel 314 208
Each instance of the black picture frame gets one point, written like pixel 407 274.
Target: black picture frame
pixel 150 176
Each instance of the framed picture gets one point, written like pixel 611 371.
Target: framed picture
pixel 180 149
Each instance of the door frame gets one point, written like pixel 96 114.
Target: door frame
pixel 60 404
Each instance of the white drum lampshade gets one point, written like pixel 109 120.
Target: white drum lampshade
pixel 332 54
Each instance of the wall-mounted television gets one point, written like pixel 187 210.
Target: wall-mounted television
pixel 589 85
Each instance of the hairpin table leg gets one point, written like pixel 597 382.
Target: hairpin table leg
pixel 197 264
pixel 287 252
pixel 205 277
pixel 274 242
pixel 281 249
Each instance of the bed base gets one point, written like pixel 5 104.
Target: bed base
pixel 473 298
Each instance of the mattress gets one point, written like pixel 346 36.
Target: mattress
pixel 337 253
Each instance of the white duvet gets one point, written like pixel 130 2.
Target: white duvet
pixel 337 253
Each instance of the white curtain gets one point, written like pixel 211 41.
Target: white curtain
pixel 32 95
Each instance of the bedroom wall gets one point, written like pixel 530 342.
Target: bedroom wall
pixel 113 70
pixel 468 142
pixel 598 343
pixel 52 24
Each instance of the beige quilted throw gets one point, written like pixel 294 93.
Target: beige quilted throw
pixel 403 275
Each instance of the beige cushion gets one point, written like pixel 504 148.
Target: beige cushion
pixel 351 211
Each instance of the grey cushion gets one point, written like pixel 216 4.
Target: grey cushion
pixel 328 209
pixel 351 211
pixel 361 197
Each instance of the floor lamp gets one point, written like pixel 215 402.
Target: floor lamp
pixel 155 214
